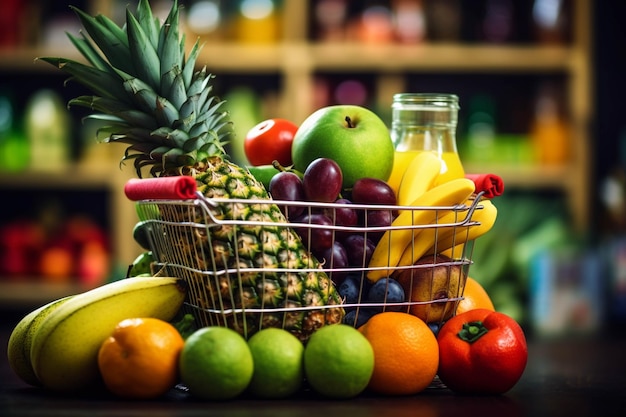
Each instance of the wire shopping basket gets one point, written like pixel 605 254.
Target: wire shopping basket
pixel 248 272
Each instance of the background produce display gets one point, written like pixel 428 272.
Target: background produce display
pixel 348 287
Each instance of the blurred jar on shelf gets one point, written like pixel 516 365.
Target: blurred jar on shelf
pixel 549 131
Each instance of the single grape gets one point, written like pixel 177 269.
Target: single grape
pixel 335 258
pixel 322 180
pixel 342 216
pixel 287 186
pixel 378 218
pixel 315 238
pixel 373 191
pixel 359 249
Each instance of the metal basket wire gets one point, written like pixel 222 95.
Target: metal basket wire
pixel 176 226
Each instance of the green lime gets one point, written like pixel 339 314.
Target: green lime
pixel 278 363
pixel 141 233
pixel 142 264
pixel 216 363
pixel 338 361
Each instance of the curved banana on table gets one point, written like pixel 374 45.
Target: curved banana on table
pixel 64 348
pixel 21 340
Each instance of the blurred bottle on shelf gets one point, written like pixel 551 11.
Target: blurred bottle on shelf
pixel 498 21
pixel 245 107
pixel 329 20
pixel 14 148
pixel 480 146
pixel 549 131
pixel 47 126
pixel 550 21
pixel 351 91
pixel 10 23
pixel 444 20
pixel 373 25
pixel 205 19
pixel 409 21
pixel 612 223
pixel 257 22
pixel 20 243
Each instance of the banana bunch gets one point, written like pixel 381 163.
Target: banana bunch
pixel 56 345
pixel 443 228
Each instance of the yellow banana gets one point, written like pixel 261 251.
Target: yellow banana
pixel 448 239
pixel 419 177
pixel 452 246
pixel 442 228
pixel 392 244
pixel 65 348
pixel 20 341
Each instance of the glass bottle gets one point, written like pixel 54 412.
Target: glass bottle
pixel 47 125
pixel 425 122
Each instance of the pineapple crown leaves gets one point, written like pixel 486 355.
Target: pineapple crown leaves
pixel 149 94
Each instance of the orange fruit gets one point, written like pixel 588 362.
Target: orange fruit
pixel 140 358
pixel 474 296
pixel 406 353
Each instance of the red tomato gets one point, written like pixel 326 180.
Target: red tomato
pixel 270 140
pixel 482 352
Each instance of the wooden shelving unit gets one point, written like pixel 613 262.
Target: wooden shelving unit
pixel 297 60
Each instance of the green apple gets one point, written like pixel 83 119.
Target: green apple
pixel 353 136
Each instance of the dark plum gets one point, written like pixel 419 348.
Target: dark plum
pixel 353 289
pixel 322 180
pixel 373 191
pixel 358 317
pixel 434 327
pixel 317 238
pixel 335 258
pixel 359 249
pixel 387 290
pixel 287 186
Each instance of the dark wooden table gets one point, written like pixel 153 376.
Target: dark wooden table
pixel 574 377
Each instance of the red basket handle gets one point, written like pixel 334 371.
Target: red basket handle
pixel 491 184
pixel 164 188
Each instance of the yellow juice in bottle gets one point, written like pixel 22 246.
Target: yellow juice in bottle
pixel 401 161
pixel 450 169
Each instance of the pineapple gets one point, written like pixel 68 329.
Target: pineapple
pixel 156 102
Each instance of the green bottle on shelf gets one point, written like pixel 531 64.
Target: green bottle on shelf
pixel 14 148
